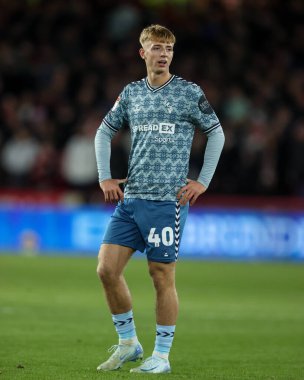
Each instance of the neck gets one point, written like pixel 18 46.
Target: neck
pixel 157 80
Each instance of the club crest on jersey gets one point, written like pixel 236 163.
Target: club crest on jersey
pixel 169 107
pixel 136 108
pixel 116 104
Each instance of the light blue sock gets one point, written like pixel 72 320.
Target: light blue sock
pixel 163 341
pixel 125 327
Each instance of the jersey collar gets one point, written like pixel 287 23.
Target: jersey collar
pixel 160 87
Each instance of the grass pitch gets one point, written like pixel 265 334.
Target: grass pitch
pixel 237 320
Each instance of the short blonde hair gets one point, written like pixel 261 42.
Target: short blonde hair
pixel 158 33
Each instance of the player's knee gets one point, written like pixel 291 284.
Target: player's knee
pixel 154 272
pixel 105 273
pixel 99 270
pixel 161 276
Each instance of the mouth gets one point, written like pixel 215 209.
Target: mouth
pixel 162 62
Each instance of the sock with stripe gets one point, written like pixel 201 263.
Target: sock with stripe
pixel 163 341
pixel 125 327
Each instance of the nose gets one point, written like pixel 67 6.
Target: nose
pixel 163 52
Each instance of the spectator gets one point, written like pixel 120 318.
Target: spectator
pixel 18 157
pixel 56 58
pixel 78 160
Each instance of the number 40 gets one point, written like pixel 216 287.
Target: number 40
pixel 167 237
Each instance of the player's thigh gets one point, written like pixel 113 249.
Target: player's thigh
pixel 122 230
pixel 113 258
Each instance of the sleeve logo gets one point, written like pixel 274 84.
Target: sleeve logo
pixel 204 105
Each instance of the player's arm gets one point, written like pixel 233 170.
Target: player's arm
pixel 190 192
pixel 112 122
pixel 204 118
pixel 111 189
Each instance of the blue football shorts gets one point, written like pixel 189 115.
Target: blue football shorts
pixel 155 227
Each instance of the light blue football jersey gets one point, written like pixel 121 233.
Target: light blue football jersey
pixel 162 121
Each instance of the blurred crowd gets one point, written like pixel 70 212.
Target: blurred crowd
pixel 63 64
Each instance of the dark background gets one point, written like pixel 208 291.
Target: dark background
pixel 63 64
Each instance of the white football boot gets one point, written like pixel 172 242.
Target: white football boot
pixel 154 364
pixel 122 353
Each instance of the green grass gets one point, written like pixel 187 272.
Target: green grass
pixel 237 320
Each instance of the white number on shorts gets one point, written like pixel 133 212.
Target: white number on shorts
pixel 167 236
pixel 153 237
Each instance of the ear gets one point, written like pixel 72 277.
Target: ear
pixel 142 53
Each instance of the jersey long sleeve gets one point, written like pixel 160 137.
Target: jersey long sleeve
pixel 103 152
pixel 212 155
pixel 114 120
pixel 162 121
pixel 204 117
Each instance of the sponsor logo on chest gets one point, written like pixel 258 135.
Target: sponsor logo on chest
pixel 167 128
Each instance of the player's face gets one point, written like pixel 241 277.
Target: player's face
pixel 157 55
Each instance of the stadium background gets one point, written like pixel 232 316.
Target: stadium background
pixel 62 65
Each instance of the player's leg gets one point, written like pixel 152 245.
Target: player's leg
pixel 121 239
pixel 112 260
pixel 164 233
pixel 163 276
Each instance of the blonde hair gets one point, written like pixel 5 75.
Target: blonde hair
pixel 157 33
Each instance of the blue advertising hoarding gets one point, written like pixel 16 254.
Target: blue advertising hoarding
pixel 209 233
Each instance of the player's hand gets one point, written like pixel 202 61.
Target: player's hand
pixel 190 192
pixel 111 190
